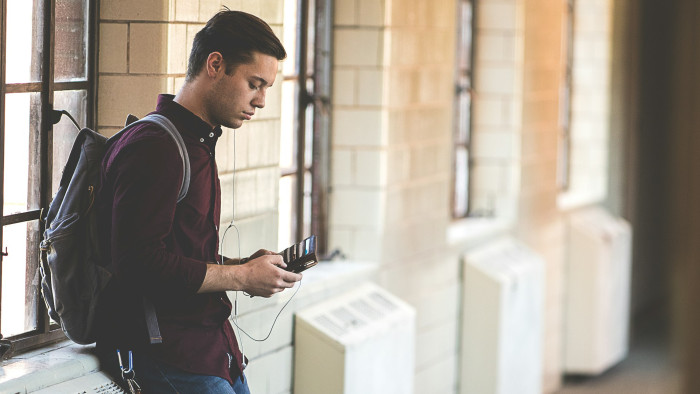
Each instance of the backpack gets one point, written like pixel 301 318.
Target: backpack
pixel 72 270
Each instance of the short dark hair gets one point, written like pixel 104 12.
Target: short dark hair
pixel 236 35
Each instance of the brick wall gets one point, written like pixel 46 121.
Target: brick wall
pixel 143 51
pixel 391 157
pixel 539 223
pixel 393 85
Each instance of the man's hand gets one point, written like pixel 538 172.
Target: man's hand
pixel 262 276
pixel 259 253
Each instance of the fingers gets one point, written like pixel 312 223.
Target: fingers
pixel 266 276
pixel 260 253
pixel 277 260
pixel 291 278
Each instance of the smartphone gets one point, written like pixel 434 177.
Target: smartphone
pixel 301 256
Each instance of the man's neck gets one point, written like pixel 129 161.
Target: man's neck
pixel 190 98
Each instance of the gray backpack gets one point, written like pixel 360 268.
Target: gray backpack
pixel 71 266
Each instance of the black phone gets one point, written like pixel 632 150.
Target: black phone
pixel 301 256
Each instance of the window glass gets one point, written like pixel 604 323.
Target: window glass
pixel 462 111
pixel 70 53
pixel 23 43
pixel 20 109
pixel 307 204
pixel 289 93
pixel 286 205
pixel 35 151
pixel 64 132
pixel 289 37
pixel 461 182
pixel 299 211
pixel 18 317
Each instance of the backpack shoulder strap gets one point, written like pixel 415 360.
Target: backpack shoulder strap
pixel 168 126
pixel 164 123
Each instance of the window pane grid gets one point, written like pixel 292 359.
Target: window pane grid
pixel 564 143
pixel 297 121
pixel 39 67
pixel 71 27
pixel 24 24
pixel 462 111
pixel 17 317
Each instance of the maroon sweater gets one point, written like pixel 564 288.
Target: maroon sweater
pixel 159 248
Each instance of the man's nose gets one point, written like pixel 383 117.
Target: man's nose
pixel 259 100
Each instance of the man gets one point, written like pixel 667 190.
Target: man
pixel 167 251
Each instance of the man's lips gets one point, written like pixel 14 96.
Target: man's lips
pixel 248 115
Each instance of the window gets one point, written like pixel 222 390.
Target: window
pixel 463 107
pixel 564 149
pixel 47 61
pixel 305 122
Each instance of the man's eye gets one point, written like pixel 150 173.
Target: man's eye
pixel 253 86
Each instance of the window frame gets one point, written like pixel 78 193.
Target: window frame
pixel 318 74
pixel 465 71
pixel 564 149
pixel 45 333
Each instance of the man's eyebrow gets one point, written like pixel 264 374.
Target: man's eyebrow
pixel 262 80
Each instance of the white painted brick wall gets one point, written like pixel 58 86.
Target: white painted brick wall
pixel 499 79
pixel 357 47
pixel 370 168
pixel 262 380
pixel 357 207
pixel 113 47
pixel 392 125
pixel 207 8
pixel 343 167
pixel 135 10
pixel 497 15
pixel 358 127
pixel 345 13
pixel 344 86
pixel 370 13
pixel 370 87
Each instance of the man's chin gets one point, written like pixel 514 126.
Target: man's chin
pixel 234 124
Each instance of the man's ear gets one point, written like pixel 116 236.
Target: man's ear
pixel 215 64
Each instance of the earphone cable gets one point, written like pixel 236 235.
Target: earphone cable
pixel 234 319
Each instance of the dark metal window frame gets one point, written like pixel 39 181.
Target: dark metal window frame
pixel 564 151
pixel 45 332
pixel 319 98
pixel 461 89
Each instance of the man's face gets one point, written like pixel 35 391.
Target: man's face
pixel 235 97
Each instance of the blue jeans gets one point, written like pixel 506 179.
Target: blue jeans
pixel 156 377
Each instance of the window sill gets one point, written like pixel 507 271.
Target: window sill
pixel 572 200
pixel 65 361
pixel 47 367
pixel 326 277
pixel 474 230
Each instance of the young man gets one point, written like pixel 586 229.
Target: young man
pixel 167 251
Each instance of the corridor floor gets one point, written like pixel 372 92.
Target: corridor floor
pixel 649 369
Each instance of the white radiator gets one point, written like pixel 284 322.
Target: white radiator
pixel 502 320
pixel 360 342
pixel 597 291
pixel 95 382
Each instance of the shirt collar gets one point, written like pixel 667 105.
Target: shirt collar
pixel 187 122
